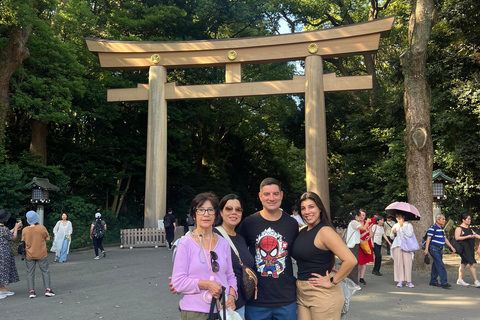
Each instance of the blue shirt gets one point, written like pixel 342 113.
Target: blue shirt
pixel 438 238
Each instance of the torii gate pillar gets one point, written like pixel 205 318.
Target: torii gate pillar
pixel 156 171
pixel 315 130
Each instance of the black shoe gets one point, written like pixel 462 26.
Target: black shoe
pixel 434 284
pixel 377 273
pixel 362 281
pixel 104 254
pixel 446 285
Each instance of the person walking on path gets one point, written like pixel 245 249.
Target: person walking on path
pixel 269 234
pixel 97 233
pixel 436 240
pixel 388 231
pixel 466 237
pixel 36 237
pixel 363 257
pixel 402 260
pixel 8 268
pixel 353 239
pixel 62 239
pixel 378 236
pixel 170 227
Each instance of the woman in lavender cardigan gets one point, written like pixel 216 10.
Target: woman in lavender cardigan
pixel 203 263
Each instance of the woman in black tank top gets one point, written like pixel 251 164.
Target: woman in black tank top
pixel 318 294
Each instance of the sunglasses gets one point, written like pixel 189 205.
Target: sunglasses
pixel 215 265
pixel 230 209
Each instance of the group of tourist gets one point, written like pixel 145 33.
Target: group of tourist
pixel 207 261
pixel 34 241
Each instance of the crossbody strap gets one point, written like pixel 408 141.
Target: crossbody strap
pixel 232 245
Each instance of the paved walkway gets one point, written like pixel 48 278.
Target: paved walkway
pixel 133 284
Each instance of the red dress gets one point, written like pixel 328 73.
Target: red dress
pixel 364 258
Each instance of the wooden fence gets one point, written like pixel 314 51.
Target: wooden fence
pixel 146 237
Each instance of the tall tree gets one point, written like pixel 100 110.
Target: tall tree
pixel 418 138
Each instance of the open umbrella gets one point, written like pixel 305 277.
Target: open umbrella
pixel 405 208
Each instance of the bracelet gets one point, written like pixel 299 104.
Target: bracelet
pixel 333 282
pixel 232 296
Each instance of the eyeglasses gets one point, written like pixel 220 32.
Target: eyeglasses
pixel 230 209
pixel 202 211
pixel 215 265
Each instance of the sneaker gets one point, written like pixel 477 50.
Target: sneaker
pixel 362 281
pixel 104 254
pixel 410 285
pixel 477 284
pixel 32 294
pixel 8 293
pixel 2 296
pixel 96 258
pixel 463 283
pixel 446 285
pixel 377 273
pixel 400 284
pixel 49 293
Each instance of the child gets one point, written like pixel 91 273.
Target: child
pixel 378 234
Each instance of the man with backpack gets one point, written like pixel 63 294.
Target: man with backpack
pixel 97 233
pixel 434 244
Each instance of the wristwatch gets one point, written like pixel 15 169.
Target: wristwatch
pixel 334 283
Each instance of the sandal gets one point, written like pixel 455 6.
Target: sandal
pixel 55 260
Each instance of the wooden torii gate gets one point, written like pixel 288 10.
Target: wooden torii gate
pixel 311 46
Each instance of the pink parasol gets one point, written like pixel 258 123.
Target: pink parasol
pixel 405 208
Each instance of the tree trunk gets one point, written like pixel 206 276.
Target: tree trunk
pixel 11 57
pixel 38 144
pixel 418 139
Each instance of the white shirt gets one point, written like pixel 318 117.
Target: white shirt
pixel 388 227
pixel 378 234
pixel 353 234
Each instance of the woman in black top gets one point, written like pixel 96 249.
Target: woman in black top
pixel 466 236
pixel 231 209
pixel 318 294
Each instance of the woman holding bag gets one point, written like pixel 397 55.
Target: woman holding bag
pixel 62 239
pixel 203 266
pixel 403 245
pixel 231 209
pixel 466 237
pixel 365 255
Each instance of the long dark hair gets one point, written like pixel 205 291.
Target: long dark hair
pixel 324 216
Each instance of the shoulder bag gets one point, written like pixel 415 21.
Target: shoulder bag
pixel 249 278
pixel 364 245
pixel 409 244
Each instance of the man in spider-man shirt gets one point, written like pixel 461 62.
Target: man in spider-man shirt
pixel 269 234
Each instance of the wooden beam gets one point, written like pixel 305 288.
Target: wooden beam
pixel 382 26
pixel 289 52
pixel 233 72
pixel 331 83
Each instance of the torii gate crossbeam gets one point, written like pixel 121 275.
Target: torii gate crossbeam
pixel 312 47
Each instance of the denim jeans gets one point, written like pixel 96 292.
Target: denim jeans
pixel 288 312
pixel 438 268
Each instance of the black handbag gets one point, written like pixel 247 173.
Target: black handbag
pixel 457 245
pixel 212 315
pixel 21 249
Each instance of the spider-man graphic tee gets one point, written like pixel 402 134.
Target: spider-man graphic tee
pixel 270 243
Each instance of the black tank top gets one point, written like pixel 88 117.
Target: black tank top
pixel 309 258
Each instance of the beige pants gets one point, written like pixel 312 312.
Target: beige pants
pixel 402 265
pixel 318 303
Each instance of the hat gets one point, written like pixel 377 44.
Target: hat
pixel 32 217
pixel 4 215
pixel 98 215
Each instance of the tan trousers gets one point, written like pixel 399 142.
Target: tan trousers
pixel 402 265
pixel 192 315
pixel 318 303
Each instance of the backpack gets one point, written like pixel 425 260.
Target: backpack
pixel 425 237
pixel 190 220
pixel 98 230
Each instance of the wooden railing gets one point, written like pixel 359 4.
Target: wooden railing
pixel 146 237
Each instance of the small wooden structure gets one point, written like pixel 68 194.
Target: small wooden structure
pixel 312 47
pixel 146 237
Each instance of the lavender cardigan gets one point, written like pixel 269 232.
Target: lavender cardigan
pixel 190 267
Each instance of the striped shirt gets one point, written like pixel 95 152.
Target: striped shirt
pixel 439 238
